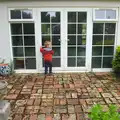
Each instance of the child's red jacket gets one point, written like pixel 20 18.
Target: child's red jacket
pixel 47 54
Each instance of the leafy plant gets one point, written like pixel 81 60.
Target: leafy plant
pixel 97 113
pixel 116 61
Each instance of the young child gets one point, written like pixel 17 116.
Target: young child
pixel 47 53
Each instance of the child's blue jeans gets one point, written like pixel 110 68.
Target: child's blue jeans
pixel 48 64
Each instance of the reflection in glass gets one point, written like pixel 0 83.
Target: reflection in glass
pixel 27 14
pixel 97 39
pixel 96 62
pixel 17 41
pixel 15 14
pixel 18 63
pixel 29 51
pixel 97 51
pixel 56 51
pixel 71 16
pixel 45 17
pixel 18 51
pixel 28 28
pixel 16 28
pixel 81 51
pixel 108 50
pixel 110 28
pixel 56 62
pixel 55 40
pixel 109 40
pixel 81 61
pixel 29 40
pixel 45 28
pixel 72 40
pixel 100 14
pixel 71 62
pixel 81 39
pixel 55 28
pixel 55 16
pixel 71 28
pixel 82 16
pixel 111 14
pixel 107 62
pixel 71 51
pixel 30 63
pixel 81 28
pixel 98 28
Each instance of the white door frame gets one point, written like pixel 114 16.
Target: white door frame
pixel 63 22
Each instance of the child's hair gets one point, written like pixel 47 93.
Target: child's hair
pixel 47 43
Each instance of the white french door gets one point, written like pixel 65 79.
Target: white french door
pixel 69 31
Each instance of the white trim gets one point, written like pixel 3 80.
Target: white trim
pixel 102 70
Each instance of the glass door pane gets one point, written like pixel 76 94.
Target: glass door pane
pixel 76 35
pixel 51 31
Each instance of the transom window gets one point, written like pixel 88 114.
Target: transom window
pixel 21 14
pixel 105 14
pixel 103 44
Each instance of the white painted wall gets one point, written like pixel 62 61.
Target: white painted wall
pixel 4 33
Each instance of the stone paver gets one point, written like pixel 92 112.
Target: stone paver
pixel 60 96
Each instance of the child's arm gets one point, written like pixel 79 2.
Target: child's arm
pixel 52 52
pixel 41 50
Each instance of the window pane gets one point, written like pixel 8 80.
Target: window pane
pixel 16 28
pixel 71 51
pixel 100 14
pixel 110 28
pixel 29 40
pixel 81 28
pixel 108 50
pixel 18 63
pixel 109 40
pixel 55 16
pixel 71 28
pixel 81 61
pixel 18 51
pixel 27 14
pixel 17 41
pixel 72 40
pixel 15 14
pixel 30 63
pixel 81 39
pixel 71 16
pixel 97 51
pixel 96 62
pixel 81 51
pixel 97 39
pixel 82 16
pixel 45 38
pixel 71 62
pixel 98 28
pixel 56 62
pixel 55 28
pixel 45 28
pixel 55 40
pixel 111 14
pixel 56 51
pixel 107 62
pixel 29 51
pixel 28 28
pixel 45 17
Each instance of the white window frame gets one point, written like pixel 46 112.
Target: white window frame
pixel 32 19
pixel 94 10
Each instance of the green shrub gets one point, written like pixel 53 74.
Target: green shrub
pixel 116 61
pixel 97 113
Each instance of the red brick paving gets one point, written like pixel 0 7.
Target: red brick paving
pixel 59 97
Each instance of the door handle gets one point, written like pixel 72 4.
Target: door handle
pixel 65 40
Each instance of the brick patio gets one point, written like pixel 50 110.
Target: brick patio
pixel 59 97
